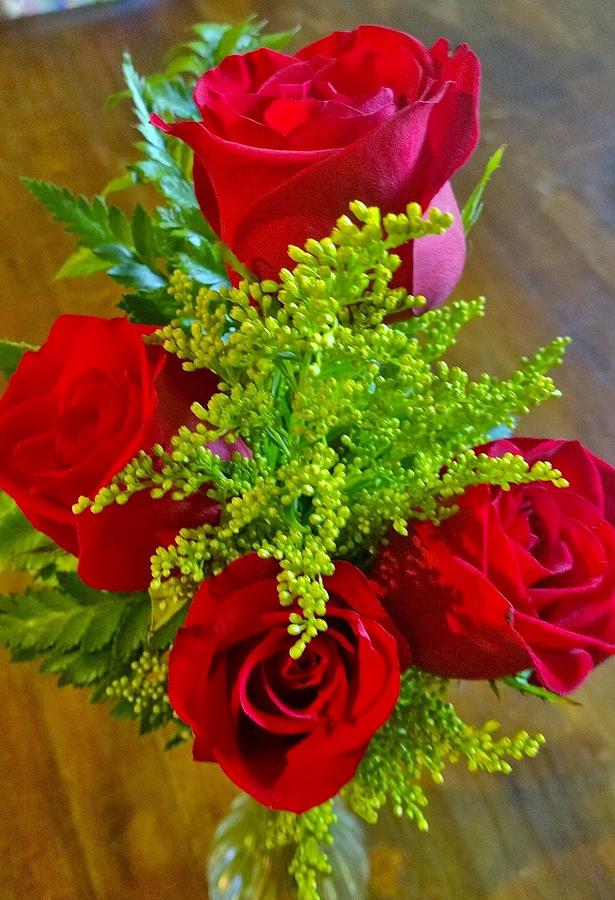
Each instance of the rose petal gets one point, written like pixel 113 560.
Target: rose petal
pixel 437 260
pixel 458 625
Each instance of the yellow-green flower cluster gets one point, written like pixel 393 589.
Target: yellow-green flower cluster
pixel 354 422
pixel 142 695
pixel 308 834
pixel 425 733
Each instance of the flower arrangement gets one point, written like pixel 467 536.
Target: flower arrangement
pixel 258 507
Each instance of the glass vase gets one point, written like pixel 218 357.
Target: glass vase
pixel 240 867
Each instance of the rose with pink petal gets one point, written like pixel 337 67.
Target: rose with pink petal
pixel 285 143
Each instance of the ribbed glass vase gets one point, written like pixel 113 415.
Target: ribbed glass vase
pixel 241 868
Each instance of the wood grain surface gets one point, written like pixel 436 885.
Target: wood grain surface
pixel 88 809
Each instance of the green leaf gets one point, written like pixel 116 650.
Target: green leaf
pixel 118 223
pixel 210 33
pixel 103 625
pixel 93 222
pixel 243 37
pixel 137 88
pixel 122 182
pixel 188 63
pixel 474 206
pixel 186 222
pixel 177 189
pixel 279 40
pixel 77 668
pixel 165 636
pixel 10 355
pixel 23 655
pixel 149 308
pixel 128 270
pixel 143 235
pixel 86 636
pixel 166 603
pixel 214 276
pixel 133 627
pixel 176 740
pixel 171 96
pixel 122 710
pixel 18 537
pixel 236 38
pixel 521 683
pixel 147 724
pixel 80 264
pixel 72 628
pixel 25 622
pixel 74 587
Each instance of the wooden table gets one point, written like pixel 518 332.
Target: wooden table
pixel 91 811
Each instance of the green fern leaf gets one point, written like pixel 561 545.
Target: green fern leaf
pixel 103 625
pixel 133 628
pixel 10 355
pixel 93 222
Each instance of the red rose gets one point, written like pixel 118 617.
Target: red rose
pixel 74 413
pixel 290 733
pixel 516 579
pixel 286 142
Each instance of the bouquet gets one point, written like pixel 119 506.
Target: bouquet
pixel 258 507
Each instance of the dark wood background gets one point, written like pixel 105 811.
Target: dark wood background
pixel 88 810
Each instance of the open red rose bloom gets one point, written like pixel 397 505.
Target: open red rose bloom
pixel 74 413
pixel 516 579
pixel 286 142
pixel 267 719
